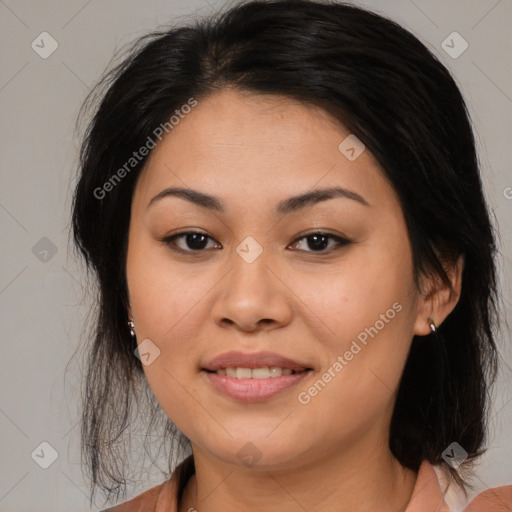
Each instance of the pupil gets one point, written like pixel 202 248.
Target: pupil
pixel 316 244
pixel 193 238
pixel 197 241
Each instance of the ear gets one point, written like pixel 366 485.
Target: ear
pixel 439 300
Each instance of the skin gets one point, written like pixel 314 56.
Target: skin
pixel 252 151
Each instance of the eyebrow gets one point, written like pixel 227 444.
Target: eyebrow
pixel 284 207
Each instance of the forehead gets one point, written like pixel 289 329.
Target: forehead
pixel 242 145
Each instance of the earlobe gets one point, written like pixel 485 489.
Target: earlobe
pixel 131 326
pixel 424 325
pixel 130 322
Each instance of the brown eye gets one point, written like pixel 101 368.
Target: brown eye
pixel 191 241
pixel 196 242
pixel 319 241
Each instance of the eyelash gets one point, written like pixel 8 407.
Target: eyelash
pixel 169 241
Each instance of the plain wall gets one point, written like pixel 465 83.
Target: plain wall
pixel 41 304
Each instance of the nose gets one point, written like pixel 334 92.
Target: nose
pixel 253 296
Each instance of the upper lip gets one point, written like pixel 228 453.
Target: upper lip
pixel 253 360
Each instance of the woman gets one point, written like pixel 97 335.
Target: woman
pixel 283 209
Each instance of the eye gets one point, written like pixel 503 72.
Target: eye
pixel 319 241
pixel 197 242
pixel 194 240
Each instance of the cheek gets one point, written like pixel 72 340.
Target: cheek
pixel 356 389
pixel 162 294
pixel 367 314
pixel 367 287
pixel 168 301
pixel 167 318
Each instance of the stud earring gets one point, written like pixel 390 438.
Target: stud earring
pixel 131 325
pixel 432 325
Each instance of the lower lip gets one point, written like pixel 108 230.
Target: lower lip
pixel 253 390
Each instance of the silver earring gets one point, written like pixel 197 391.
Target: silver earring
pixel 432 325
pixel 131 325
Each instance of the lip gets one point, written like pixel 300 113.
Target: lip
pixel 253 390
pixel 253 360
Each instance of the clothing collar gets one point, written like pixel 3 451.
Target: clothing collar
pixel 427 495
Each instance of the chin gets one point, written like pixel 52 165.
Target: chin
pixel 258 453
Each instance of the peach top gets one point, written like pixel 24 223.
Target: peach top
pixel 426 497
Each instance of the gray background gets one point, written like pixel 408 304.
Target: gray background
pixel 41 293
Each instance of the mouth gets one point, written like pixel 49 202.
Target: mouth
pixel 263 372
pixel 253 377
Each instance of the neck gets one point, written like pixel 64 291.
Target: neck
pixel 356 479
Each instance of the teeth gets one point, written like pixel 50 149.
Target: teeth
pixel 260 373
pixel 264 372
pixel 243 373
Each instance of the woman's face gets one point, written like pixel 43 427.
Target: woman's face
pixel 259 281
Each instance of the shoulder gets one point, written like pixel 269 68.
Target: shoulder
pixel 497 499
